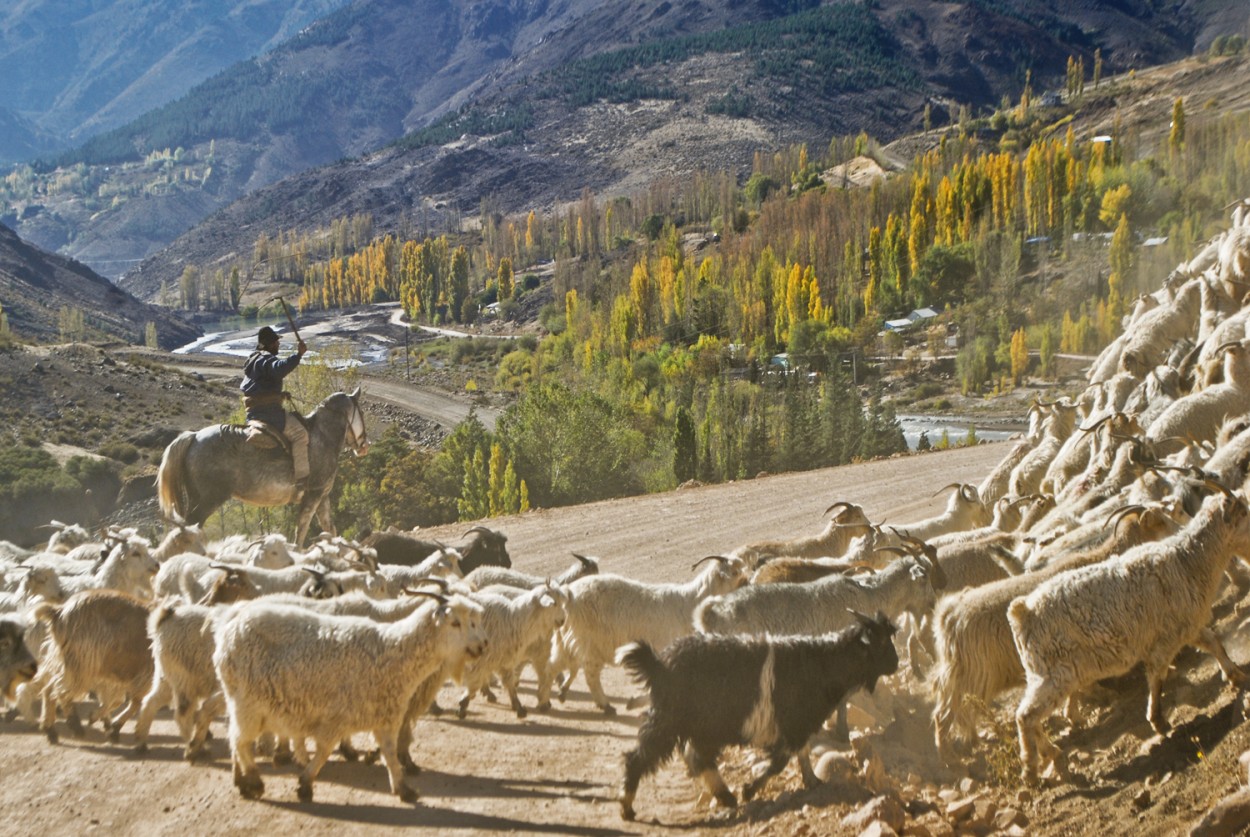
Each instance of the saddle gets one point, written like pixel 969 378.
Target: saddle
pixel 261 436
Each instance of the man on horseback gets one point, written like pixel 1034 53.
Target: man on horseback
pixel 263 397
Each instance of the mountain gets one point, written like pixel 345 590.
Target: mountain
pixel 73 68
pixel 43 295
pixel 529 102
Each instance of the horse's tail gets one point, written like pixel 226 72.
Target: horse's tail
pixel 171 487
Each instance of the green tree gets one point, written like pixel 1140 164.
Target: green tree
pixel 685 447
pixel 474 501
pixel 571 446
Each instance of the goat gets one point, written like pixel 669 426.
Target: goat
pixel 773 693
pixel 1157 330
pixel 303 675
pixel 100 644
pixel 1142 606
pixel 976 655
pixel 477 546
pixel 17 664
pixel 607 611
pixel 909 584
pixel 1199 415
pixel 1026 478
pixel 849 523
pixel 511 627
pixel 485 576
pixel 963 511
pixel 178 540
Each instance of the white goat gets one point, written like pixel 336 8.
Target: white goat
pixel 303 675
pixel 1142 606
pixel 608 611
pixel 512 627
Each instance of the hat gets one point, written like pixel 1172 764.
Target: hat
pixel 265 336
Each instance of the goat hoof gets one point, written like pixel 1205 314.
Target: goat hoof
pixel 282 756
pixel 10 716
pixel 304 791
pixel 609 709
pixel 727 799
pixel 53 737
pixel 544 707
pixel 463 709
pixel 141 748
pixel 348 752
pixel 521 712
pixel 115 735
pixel 627 812
pixel 435 709
pixel 250 787
pixel 411 768
pixel 406 794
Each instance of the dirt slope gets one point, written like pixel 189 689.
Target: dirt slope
pixel 557 773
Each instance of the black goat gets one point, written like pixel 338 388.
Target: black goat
pixel 478 546
pixel 711 692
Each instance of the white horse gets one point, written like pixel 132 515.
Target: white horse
pixel 201 470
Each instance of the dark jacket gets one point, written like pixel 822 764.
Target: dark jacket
pixel 262 380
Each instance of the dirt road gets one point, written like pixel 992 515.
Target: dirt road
pixel 428 403
pixel 557 773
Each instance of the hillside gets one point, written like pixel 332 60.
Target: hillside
pixel 72 70
pixel 701 85
pixel 46 297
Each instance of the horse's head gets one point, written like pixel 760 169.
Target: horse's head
pixel 357 437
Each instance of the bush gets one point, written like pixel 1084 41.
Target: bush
pixel 121 451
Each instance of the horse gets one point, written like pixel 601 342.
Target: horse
pixel 201 470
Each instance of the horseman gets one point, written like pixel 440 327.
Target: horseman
pixel 263 397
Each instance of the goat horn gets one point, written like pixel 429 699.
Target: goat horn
pixel 438 597
pixel 843 503
pixel 1224 347
pixel 897 550
pixel 586 562
pixel 944 488
pixel 1094 426
pixel 442 583
pixel 1217 485
pixel 314 572
pixel 969 492
pixel 1121 513
pixel 474 529
pixel 720 558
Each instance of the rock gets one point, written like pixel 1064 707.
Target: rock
pixel 916 829
pixel 1142 800
pixel 1244 761
pixel 1229 817
pixel 835 766
pixel 878 829
pixel 968 785
pixel 934 825
pixel 1007 817
pixel 983 813
pixel 962 809
pixel 884 809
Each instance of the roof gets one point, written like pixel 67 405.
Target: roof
pixel 897 325
pixel 922 314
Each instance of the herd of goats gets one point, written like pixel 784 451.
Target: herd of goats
pixel 1101 541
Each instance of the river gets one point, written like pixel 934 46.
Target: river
pixel 956 428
